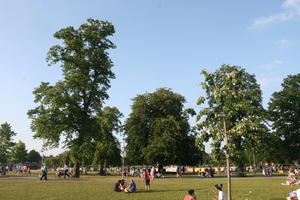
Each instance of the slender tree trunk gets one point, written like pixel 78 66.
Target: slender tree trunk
pixel 76 170
pixel 227 163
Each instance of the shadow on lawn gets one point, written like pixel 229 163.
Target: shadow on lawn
pixel 154 191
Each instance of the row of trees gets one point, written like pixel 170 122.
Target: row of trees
pixel 157 130
pixel 11 152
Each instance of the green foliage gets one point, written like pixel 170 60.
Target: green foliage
pixel 234 109
pixel 107 148
pixel 6 143
pixel 158 130
pixel 53 161
pixel 284 109
pixel 33 156
pixel 18 153
pixel 68 108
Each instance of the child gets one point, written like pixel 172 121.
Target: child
pixel 190 196
pixel 221 194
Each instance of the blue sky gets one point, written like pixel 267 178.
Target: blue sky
pixel 160 43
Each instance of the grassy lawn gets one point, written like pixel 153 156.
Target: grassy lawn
pixel 256 188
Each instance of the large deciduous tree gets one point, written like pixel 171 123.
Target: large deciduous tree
pixel 158 131
pixel 284 110
pixel 233 113
pixel 68 108
pixel 6 134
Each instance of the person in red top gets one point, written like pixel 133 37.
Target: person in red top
pixel 190 196
pixel 147 180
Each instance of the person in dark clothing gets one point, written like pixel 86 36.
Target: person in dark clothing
pixel 117 186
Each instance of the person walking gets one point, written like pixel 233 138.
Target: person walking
pixel 44 169
pixel 66 171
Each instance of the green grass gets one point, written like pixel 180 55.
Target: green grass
pixel 258 188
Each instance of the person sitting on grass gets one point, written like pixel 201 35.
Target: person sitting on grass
pixel 292 181
pixel 131 188
pixel 295 195
pixel 221 194
pixel 122 185
pixel 190 196
pixel 118 186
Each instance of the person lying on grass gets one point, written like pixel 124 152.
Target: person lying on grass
pixel 190 196
pixel 131 187
pixel 293 181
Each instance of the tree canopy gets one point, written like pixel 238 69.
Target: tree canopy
pixel 284 109
pixel 33 156
pixel 234 103
pixel 6 134
pixel 18 153
pixel 107 150
pixel 158 131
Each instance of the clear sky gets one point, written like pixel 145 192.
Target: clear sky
pixel 160 43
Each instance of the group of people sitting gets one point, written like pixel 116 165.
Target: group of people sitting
pixel 293 177
pixel 120 186
pixel 221 195
pixel 207 173
pixel 23 170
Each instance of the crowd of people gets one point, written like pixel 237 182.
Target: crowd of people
pixel 139 172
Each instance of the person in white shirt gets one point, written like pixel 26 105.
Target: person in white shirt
pixel 221 194
pixel 295 195
pixel 66 171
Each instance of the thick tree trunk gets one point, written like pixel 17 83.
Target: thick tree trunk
pixel 76 170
